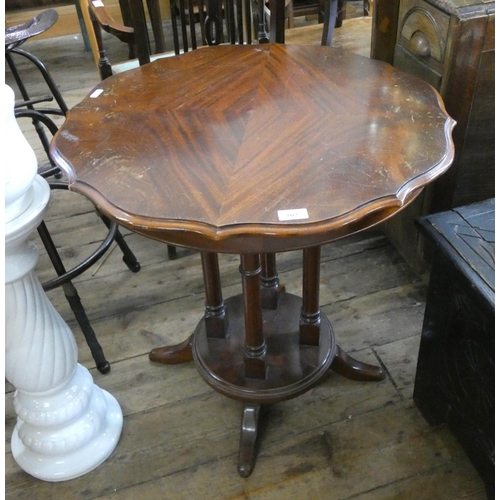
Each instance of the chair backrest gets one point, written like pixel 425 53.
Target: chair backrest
pixel 195 23
pixel 210 22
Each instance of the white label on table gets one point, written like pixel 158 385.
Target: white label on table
pixel 97 3
pixel 296 214
pixel 97 93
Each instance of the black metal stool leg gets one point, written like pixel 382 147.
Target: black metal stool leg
pixel 128 256
pixel 38 118
pixel 74 301
pixel 51 84
pixel 172 252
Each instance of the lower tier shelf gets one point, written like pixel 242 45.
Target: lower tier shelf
pixel 291 368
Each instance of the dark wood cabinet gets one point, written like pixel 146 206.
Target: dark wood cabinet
pixel 451 45
pixel 455 378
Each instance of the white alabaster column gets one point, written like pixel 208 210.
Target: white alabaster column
pixel 66 425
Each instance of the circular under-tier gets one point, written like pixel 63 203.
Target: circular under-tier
pixel 291 368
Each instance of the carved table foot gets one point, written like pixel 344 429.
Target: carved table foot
pixel 350 368
pixel 174 354
pixel 248 439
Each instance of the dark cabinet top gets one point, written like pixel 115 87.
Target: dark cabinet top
pixel 465 9
pixel 467 236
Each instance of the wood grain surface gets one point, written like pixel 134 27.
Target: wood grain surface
pixel 203 150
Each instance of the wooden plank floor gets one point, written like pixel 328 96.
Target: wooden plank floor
pixel 341 440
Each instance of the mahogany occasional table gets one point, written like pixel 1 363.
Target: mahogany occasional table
pixel 255 150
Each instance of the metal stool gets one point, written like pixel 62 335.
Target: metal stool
pixel 15 36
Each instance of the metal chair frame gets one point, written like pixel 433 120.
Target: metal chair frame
pixel 41 120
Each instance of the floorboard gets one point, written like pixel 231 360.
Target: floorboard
pixel 342 440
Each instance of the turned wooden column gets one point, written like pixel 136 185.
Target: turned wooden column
pixel 255 346
pixel 66 425
pixel 269 281
pixel 310 314
pixel 215 310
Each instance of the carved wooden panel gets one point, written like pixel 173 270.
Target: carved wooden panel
pixel 455 377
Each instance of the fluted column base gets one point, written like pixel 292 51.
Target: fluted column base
pixel 75 429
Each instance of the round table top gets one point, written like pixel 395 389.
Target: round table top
pixel 256 148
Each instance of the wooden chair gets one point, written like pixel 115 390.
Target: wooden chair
pixel 236 22
pixel 188 22
pixel 195 23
